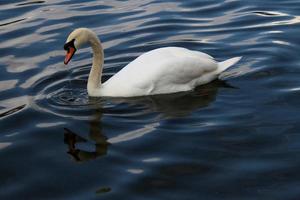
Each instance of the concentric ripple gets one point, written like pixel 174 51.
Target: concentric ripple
pixel 232 139
pixel 67 98
pixel 71 97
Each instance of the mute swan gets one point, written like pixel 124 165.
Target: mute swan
pixel 160 71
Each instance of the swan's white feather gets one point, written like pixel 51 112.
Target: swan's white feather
pixel 160 71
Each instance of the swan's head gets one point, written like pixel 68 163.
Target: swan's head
pixel 75 40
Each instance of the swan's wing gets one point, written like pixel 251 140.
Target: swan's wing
pixel 163 70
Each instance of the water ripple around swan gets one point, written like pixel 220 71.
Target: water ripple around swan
pixel 230 139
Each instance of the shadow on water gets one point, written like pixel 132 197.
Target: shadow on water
pixel 179 104
pixel 169 106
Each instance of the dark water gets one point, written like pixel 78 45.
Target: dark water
pixel 233 139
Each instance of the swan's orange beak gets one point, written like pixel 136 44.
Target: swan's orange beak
pixel 70 52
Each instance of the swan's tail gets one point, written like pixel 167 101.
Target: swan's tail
pixel 227 63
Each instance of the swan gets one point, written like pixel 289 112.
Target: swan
pixel 159 71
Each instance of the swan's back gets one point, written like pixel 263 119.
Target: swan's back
pixel 163 70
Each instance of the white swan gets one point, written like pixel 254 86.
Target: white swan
pixel 160 71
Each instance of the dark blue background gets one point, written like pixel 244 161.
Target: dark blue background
pixel 237 139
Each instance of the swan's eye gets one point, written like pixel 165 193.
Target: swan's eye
pixel 70 48
pixel 69 44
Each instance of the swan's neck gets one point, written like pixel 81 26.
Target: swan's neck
pixel 94 80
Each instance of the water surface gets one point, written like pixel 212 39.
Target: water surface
pixel 230 139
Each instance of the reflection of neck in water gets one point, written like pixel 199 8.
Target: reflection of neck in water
pixel 171 106
pixel 71 139
pixel 101 142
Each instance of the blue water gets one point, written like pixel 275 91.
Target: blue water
pixel 238 138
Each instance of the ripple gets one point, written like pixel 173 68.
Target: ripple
pixel 12 22
pixel 269 13
pixel 71 97
pixel 12 111
pixel 30 3
pixel 223 140
pixel 71 102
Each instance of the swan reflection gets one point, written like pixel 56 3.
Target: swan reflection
pixel 178 104
pixel 169 106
